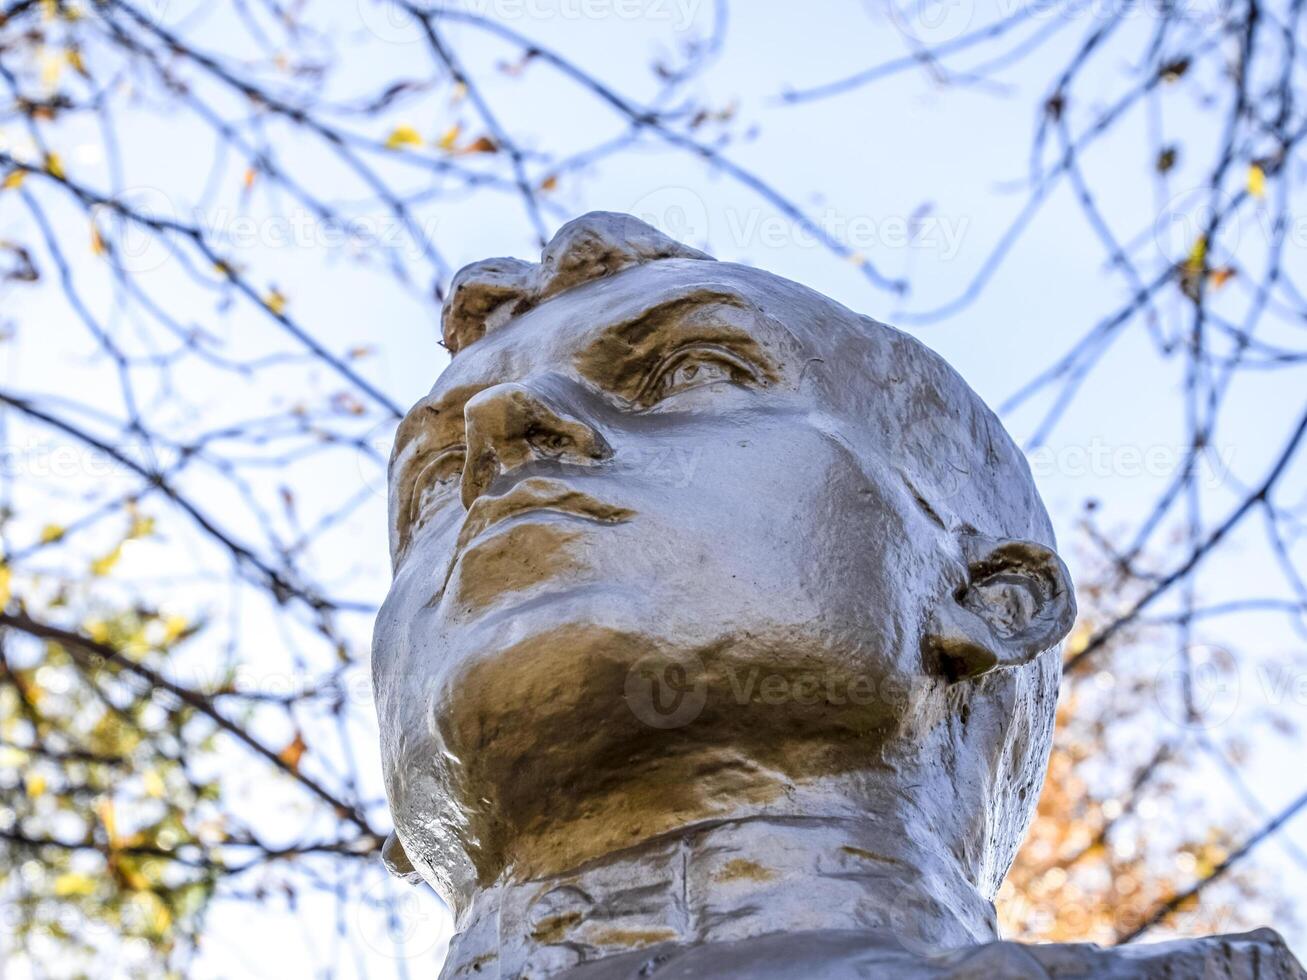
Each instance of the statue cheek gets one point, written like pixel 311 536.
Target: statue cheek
pixel 396 661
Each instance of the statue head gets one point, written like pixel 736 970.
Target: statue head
pixel 679 541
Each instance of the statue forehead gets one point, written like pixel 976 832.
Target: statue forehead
pixel 552 334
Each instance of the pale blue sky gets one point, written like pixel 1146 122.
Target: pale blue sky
pixel 862 164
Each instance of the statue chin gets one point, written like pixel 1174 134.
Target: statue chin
pixel 581 740
pixel 723 637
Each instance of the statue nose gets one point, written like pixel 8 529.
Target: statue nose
pixel 509 425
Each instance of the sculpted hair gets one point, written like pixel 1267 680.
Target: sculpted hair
pixel 486 295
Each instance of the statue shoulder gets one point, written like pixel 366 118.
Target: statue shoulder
pixel 835 955
pixel 1258 955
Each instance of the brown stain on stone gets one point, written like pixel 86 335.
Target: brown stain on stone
pixel 858 852
pixel 515 560
pixel 554 928
pixel 632 937
pixel 742 869
pixel 654 801
pixel 482 960
pixel 629 352
pixel 544 730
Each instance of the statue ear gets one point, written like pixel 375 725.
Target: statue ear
pixel 1017 602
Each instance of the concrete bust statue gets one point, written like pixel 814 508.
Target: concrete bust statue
pixel 722 637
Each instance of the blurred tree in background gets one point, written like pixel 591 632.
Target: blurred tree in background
pixel 192 447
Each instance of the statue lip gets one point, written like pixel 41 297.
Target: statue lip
pixel 535 493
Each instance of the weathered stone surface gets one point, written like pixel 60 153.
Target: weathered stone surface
pixel 722 636
pixel 1259 955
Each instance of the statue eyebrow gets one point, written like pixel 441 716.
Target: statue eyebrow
pixel 627 348
pixel 674 306
pixel 620 343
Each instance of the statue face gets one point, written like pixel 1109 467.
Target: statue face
pixel 650 468
pixel 686 542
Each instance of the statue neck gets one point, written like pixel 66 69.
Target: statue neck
pixel 723 881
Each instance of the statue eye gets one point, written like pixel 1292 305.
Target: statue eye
pixel 695 367
pixel 434 480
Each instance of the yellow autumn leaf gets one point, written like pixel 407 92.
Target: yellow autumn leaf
pixel 293 752
pixel 12 758
pixel 74 56
pixel 6 585
pixel 13 179
pixel 98 247
pixel 482 144
pixel 1219 277
pixel 549 183
pixel 51 533
pixel 142 527
pixel 136 643
pixel 50 9
pixel 54 166
pixel 158 914
pixel 70 885
pixel 173 627
pixel 1197 254
pixel 127 873
pixel 97 630
pixel 105 564
pixel 449 138
pixel 104 810
pixel 1256 181
pixel 35 785
pixel 275 301
pixel 52 66
pixel 402 136
pixel 154 784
